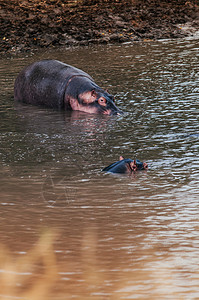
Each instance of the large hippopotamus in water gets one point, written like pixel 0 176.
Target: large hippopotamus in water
pixel 57 85
pixel 126 166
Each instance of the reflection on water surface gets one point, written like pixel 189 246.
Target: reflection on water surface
pixel 119 237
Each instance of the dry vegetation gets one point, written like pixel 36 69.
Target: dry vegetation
pixel 29 24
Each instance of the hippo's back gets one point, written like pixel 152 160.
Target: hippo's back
pixel 119 166
pixel 44 83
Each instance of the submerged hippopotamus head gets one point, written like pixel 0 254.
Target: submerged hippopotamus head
pixel 126 166
pixel 84 95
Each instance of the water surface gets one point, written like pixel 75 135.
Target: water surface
pixel 120 237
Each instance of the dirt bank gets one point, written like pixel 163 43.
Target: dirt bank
pixel 29 24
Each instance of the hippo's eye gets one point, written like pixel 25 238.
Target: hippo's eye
pixel 102 101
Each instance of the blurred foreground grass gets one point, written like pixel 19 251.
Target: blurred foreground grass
pixel 36 275
pixel 31 276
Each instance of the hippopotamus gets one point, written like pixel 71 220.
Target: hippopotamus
pixel 126 166
pixel 54 84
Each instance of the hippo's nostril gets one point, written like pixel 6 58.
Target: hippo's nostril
pixel 120 113
pixel 114 113
pixel 117 112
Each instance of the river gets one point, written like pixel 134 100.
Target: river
pixel 117 237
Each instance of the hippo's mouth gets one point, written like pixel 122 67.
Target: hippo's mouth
pixel 110 112
pixel 106 112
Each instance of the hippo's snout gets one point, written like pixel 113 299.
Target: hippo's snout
pixel 117 113
pixel 114 110
pixel 110 112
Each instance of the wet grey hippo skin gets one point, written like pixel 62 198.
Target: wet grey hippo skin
pixel 54 84
pixel 126 166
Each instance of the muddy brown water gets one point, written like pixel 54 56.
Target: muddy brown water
pixel 120 237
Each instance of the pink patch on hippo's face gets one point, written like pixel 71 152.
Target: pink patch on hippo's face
pixel 89 103
pixel 107 112
pixel 75 105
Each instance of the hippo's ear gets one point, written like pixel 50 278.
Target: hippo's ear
pixel 133 165
pixel 145 165
pixel 121 157
pixel 88 97
pixel 94 94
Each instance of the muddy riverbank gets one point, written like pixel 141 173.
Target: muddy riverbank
pixel 26 25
